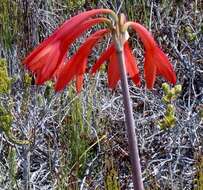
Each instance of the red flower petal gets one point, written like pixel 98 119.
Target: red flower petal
pixel 45 73
pixel 79 82
pixel 136 80
pixel 113 67
pixel 65 43
pixel 164 68
pixel 65 34
pixel 73 67
pixel 79 74
pixel 42 45
pixel 65 29
pixel 150 70
pixel 156 62
pixel 103 57
pixel 39 56
pixel 70 25
pixel 131 64
pixel 56 72
pixel 113 71
pixel 70 38
pixel 65 75
pixel 144 35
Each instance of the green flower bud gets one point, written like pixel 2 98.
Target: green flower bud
pixel 172 92
pixel 162 125
pixel 166 100
pixel 27 79
pixel 178 89
pixel 165 88
pixel 192 36
pixel 170 121
pixel 170 109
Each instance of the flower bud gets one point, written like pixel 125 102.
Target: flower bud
pixel 178 89
pixel 165 88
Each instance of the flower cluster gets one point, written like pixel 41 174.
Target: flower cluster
pixel 49 60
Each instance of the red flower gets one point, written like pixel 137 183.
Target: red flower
pixel 47 61
pixel 76 66
pixel 113 69
pixel 48 56
pixel 156 62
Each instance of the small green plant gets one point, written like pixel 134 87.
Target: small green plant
pixel 12 167
pixel 5 120
pixel 169 96
pixel 5 113
pixel 76 142
pixel 4 78
pixel 27 80
pixel 5 126
pixel 111 177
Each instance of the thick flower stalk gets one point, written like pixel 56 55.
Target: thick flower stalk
pixel 50 61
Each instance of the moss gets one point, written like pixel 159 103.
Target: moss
pixel 4 78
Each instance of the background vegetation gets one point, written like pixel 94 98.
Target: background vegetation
pixel 79 141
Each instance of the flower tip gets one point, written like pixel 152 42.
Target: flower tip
pixel 138 84
pixel 174 79
pixel 57 88
pixel 78 91
pixel 39 81
pixel 24 62
pixel 136 80
pixel 149 87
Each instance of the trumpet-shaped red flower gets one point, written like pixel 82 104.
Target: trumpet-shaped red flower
pixel 48 56
pixel 156 62
pixel 47 61
pixel 113 69
pixel 76 66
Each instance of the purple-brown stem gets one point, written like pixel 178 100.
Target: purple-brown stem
pixel 130 124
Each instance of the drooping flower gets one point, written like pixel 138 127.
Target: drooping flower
pixel 156 62
pixel 76 66
pixel 49 60
pixel 48 56
pixel 113 69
